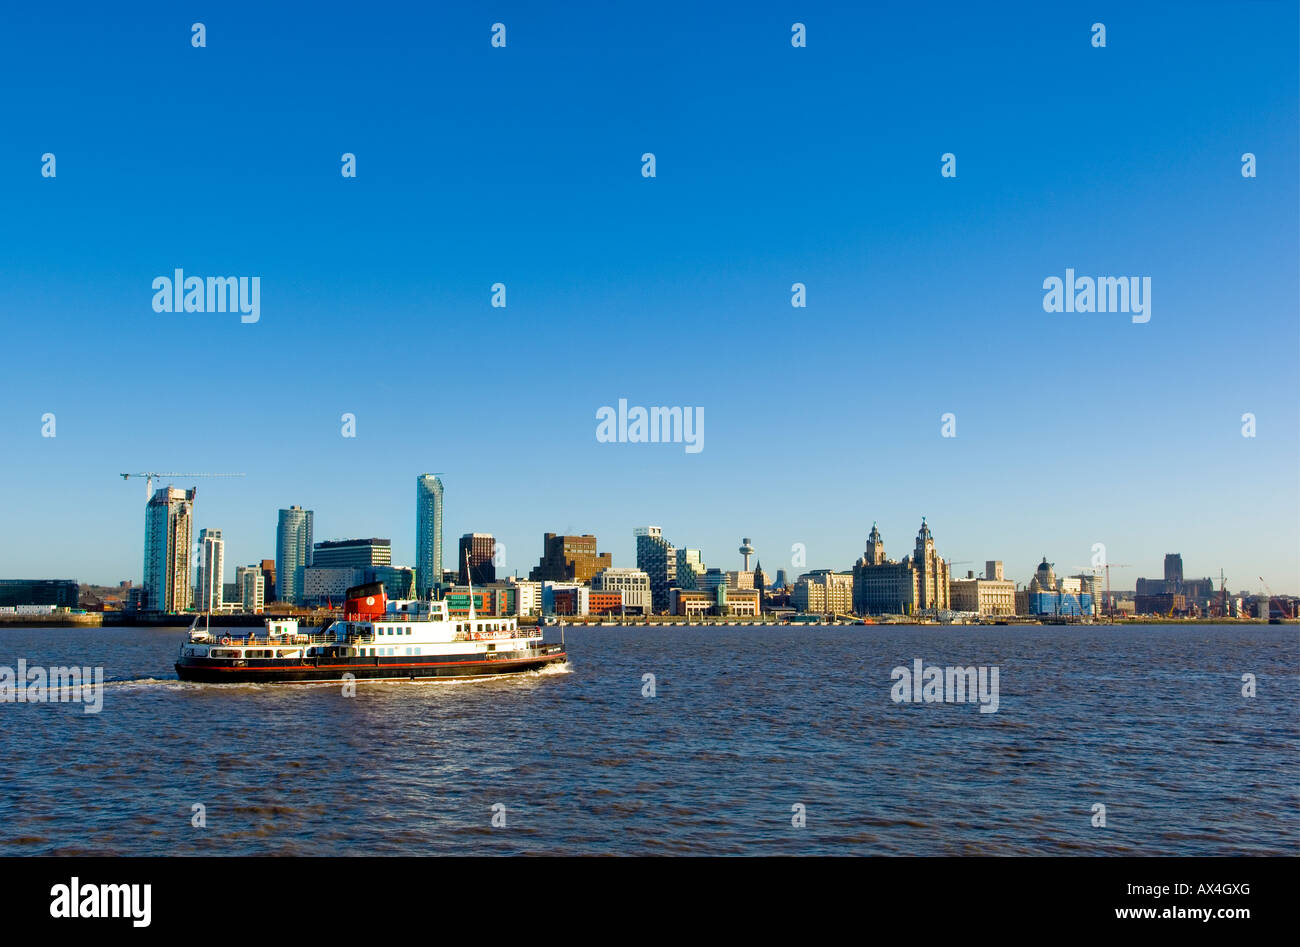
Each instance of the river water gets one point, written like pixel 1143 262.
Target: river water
pixel 749 731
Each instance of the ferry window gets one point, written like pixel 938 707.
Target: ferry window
pixel 408 631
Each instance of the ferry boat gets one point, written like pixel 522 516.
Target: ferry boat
pixel 376 639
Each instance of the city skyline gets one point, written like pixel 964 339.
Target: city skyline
pixel 522 166
pixel 897 541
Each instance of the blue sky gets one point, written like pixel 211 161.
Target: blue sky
pixel 774 165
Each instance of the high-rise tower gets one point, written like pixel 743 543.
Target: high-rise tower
pixel 428 534
pixel 168 532
pixel 657 558
pixel 476 554
pixel 212 570
pixel 293 552
pixel 746 550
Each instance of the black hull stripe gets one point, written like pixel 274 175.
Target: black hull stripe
pixel 305 674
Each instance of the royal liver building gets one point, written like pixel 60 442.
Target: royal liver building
pixel 917 585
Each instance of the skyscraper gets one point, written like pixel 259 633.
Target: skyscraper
pixel 428 533
pixel 657 558
pixel 293 552
pixel 482 567
pixel 569 559
pixel 252 587
pixel 212 570
pixel 268 579
pixel 168 532
pixel 689 568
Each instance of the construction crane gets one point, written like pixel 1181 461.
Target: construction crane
pixel 150 475
pixel 1268 612
pixel 1095 570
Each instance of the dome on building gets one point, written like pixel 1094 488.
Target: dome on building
pixel 1044 577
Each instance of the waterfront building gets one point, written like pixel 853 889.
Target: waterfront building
pixel 711 580
pixel 137 600
pixel 919 584
pixel 604 603
pixel 168 534
pixel 633 585
pixel 738 603
pixel 691 603
pixel 268 579
pixel 328 585
pixel 823 592
pixel 1174 594
pixel 987 597
pixel 293 553
pixel 353 553
pixel 760 583
pixel 720 601
pixel 251 583
pixel 428 533
pixel 657 558
pixel 528 596
pixel 479 547
pixel 496 600
pixel 212 570
pixel 564 598
pixel 689 568
pixel 398 581
pixel 1048 595
pixel 1091 583
pixel 61 593
pixel 569 558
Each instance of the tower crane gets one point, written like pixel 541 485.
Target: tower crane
pixel 1095 570
pixel 1268 612
pixel 150 475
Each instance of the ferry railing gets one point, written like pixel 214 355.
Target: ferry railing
pixel 286 641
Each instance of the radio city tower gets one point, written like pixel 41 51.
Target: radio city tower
pixel 746 550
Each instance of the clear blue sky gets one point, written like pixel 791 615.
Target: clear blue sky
pixel 775 165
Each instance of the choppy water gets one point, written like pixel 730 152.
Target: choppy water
pixel 746 723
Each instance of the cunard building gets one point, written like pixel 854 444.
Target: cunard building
pixel 917 585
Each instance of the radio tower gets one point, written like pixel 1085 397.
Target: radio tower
pixel 746 550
